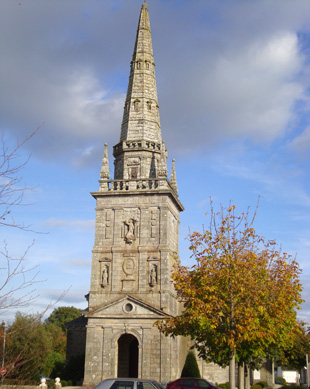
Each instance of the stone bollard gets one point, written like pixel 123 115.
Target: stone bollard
pixel 57 383
pixel 43 384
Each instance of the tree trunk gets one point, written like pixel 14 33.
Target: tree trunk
pixel 267 372
pixel 241 375
pixel 247 377
pixel 232 371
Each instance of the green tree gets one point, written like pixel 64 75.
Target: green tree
pixel 63 315
pixel 56 328
pixel 28 346
pixel 190 368
pixel 240 296
pixel 294 357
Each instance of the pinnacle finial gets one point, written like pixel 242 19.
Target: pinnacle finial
pixel 173 177
pixel 105 171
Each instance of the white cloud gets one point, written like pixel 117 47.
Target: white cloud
pixel 76 224
pixel 80 263
pixel 301 144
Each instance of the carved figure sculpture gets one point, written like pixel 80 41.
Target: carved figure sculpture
pixel 57 383
pixel 130 233
pixel 105 276
pixel 153 275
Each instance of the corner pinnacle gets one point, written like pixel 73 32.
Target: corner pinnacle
pixel 173 178
pixel 105 171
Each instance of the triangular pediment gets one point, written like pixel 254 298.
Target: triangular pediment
pixel 127 306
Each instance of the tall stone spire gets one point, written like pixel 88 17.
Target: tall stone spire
pixel 141 154
pixel 136 241
pixel 141 116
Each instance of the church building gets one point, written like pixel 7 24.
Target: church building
pixel 136 241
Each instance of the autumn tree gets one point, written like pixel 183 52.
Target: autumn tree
pixel 294 357
pixel 240 295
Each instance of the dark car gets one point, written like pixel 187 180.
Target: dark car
pixel 190 383
pixel 128 383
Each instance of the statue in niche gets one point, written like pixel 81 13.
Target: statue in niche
pixel 153 275
pixel 105 276
pixel 129 230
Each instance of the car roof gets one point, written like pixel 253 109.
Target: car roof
pixel 105 382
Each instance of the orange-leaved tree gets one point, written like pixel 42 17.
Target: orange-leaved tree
pixel 239 297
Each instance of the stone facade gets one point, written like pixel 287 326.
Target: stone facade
pixel 136 246
pixel 136 241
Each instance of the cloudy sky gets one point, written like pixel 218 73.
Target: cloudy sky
pixel 233 86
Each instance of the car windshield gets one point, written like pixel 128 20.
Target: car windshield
pixel 203 384
pixel 122 385
pixel 188 382
pixel 144 385
pixel 158 386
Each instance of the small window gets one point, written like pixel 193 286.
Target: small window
pixel 128 307
pixel 133 173
pixel 136 105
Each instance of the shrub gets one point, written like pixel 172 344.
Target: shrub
pixel 256 386
pixel 280 380
pixel 224 385
pixel 293 386
pixel 262 384
pixel 190 368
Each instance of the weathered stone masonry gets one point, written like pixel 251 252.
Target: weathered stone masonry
pixel 136 241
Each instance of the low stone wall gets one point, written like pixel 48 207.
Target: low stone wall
pixel 37 387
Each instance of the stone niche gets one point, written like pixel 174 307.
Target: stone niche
pixel 105 274
pixel 153 272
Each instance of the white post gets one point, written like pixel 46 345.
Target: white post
pixel 307 367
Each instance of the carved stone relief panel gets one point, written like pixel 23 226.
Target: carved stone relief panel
pixel 130 225
pixel 108 224
pixel 154 223
pixel 129 268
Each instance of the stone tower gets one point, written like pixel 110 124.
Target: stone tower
pixel 136 241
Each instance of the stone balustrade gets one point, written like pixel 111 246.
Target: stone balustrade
pixel 128 185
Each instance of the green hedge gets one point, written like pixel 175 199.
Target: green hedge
pixel 281 380
pixel 224 385
pixel 262 384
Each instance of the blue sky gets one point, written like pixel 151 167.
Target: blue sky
pixel 233 89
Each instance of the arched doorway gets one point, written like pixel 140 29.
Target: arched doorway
pixel 128 356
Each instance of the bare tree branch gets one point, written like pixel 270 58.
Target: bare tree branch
pixel 12 190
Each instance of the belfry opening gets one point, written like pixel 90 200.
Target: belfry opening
pixel 128 356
